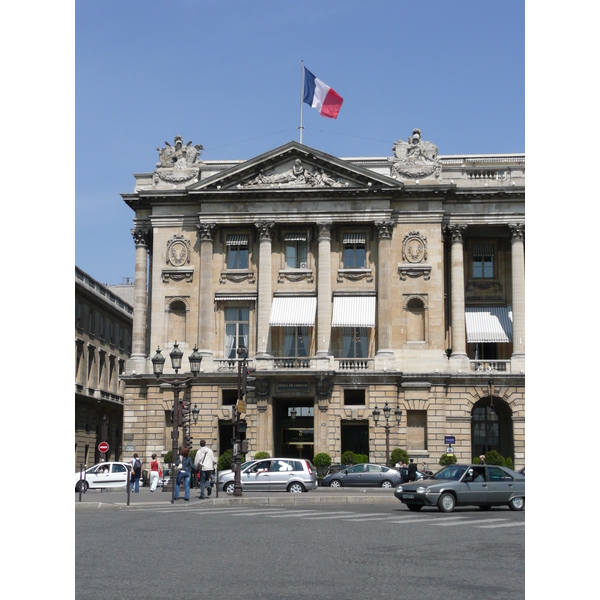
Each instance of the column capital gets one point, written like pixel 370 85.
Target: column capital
pixel 265 229
pixel 384 229
pixel 517 231
pixel 206 230
pixel 456 233
pixel 142 236
pixel 324 228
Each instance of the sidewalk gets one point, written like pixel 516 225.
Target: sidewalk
pixel 117 499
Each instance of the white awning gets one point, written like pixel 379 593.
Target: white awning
pixel 240 239
pixel 489 324
pixel 294 237
pixel 353 311
pixel 232 297
pixel 293 311
pixel 354 238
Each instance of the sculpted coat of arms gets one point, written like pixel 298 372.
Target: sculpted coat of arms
pixel 415 159
pixel 178 251
pixel 178 163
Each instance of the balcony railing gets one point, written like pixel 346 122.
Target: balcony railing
pixel 482 366
pixel 225 365
pixel 355 364
pixel 291 363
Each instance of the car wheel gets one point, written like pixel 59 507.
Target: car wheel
pixel 229 487
pixel 446 503
pixel 387 484
pixel 335 483
pixel 485 506
pixel 517 504
pixel 414 507
pixel 84 485
pixel 295 488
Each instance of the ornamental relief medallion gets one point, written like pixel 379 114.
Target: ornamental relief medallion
pixel 414 247
pixel 178 251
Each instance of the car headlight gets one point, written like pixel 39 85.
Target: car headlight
pixel 399 488
pixel 423 490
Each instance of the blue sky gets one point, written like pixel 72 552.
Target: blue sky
pixel 227 75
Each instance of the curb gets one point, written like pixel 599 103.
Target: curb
pixel 269 501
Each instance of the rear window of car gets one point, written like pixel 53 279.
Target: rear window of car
pixel 451 472
pixel 119 468
pixel 497 474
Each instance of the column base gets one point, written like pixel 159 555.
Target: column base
pixel 517 363
pixel 385 360
pixel 138 364
pixel 459 363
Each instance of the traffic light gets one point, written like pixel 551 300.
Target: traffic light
pixel 185 414
pixel 247 379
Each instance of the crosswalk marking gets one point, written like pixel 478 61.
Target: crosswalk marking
pixel 467 522
pixel 338 515
pixel 501 525
pixel 403 520
pixel 300 513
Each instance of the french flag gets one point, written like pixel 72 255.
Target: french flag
pixel 320 96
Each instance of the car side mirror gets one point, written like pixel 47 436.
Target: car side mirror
pixel 470 472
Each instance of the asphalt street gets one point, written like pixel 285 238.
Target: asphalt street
pixel 323 544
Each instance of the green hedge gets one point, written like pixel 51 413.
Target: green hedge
pixel 447 459
pixel 399 456
pixel 260 455
pixel 226 459
pixel 322 460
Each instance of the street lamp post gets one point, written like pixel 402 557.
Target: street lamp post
pixel 158 363
pixel 386 413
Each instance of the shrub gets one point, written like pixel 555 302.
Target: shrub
pixel 447 459
pixel 492 457
pixel 226 459
pixel 193 453
pixel 322 460
pixel 348 458
pixel 476 460
pixel 167 458
pixel 399 456
pixel 509 462
pixel 361 458
pixel 261 455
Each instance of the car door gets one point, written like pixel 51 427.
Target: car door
pixel 257 476
pixel 501 485
pixel 354 476
pixel 98 476
pixel 373 476
pixel 473 487
pixel 280 474
pixel 118 475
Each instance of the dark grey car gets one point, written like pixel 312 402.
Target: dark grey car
pixel 459 485
pixel 363 475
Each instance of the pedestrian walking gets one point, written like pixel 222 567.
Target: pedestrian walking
pixel 154 473
pixel 482 459
pixel 136 473
pixel 412 470
pixel 205 464
pixel 184 471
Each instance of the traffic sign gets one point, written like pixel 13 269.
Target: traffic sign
pixel 103 447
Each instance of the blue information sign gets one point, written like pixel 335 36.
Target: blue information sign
pixel 450 439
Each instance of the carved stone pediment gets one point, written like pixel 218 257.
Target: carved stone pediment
pixel 415 159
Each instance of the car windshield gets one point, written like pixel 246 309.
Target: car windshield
pixel 452 472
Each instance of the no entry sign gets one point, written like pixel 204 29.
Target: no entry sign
pixel 103 447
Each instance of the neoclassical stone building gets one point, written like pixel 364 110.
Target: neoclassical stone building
pixel 353 282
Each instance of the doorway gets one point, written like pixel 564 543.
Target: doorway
pixel 492 428
pixel 293 428
pixel 355 436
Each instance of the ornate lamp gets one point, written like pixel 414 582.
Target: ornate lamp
pixel 195 359
pixel 176 355
pixel 158 363
pixel 195 413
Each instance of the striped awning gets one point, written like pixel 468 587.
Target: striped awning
pixel 240 239
pixel 293 311
pixel 355 238
pixel 488 324
pixel 294 237
pixel 232 297
pixel 353 311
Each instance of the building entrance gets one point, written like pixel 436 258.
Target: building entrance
pixel 293 427
pixel 492 427
pixel 355 437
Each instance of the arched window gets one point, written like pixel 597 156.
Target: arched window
pixel 491 427
pixel 177 321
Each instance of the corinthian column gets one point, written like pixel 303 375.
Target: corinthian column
pixel 458 358
pixel 265 293
pixel 324 302
pixel 518 296
pixel 206 231
pixel 384 288
pixel 141 237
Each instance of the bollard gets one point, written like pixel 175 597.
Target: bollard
pixel 81 472
pixel 216 481
pixel 128 485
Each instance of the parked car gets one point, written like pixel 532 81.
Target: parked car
pixel 336 468
pixel 363 475
pixel 103 475
pixel 460 485
pixel 244 465
pixel 272 474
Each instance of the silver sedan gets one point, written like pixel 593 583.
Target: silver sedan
pixel 460 485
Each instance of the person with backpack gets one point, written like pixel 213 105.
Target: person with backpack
pixel 136 473
pixel 205 464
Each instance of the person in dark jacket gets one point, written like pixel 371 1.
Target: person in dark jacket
pixel 412 470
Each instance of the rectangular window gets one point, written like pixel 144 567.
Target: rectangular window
pixel 92 322
pixel 355 342
pixel 237 251
pixel 79 315
pixel 229 397
pixel 295 251
pixel 416 430
pixel 354 397
pixel 237 326
pixel 483 261
pixel 295 342
pixel 355 250
pixel 120 337
pixel 102 325
pixel 112 332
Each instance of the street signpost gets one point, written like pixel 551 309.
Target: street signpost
pixel 103 447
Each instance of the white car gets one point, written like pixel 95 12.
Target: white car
pixel 103 475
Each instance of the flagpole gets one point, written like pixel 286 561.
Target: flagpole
pixel 301 95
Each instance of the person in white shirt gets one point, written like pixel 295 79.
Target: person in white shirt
pixel 205 463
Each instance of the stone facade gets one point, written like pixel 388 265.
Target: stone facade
pixel 353 282
pixel 103 337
